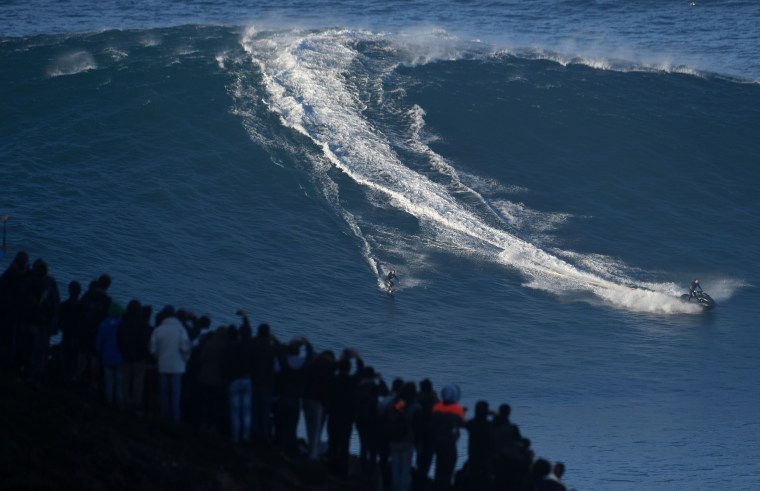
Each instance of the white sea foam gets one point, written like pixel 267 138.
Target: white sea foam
pixel 71 64
pixel 307 86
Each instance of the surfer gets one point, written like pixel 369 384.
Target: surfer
pixel 389 281
pixel 694 287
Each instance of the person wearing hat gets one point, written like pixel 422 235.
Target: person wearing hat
pixel 447 418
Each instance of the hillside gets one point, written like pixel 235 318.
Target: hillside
pixel 53 438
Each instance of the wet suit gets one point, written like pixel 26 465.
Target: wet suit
pixel 694 287
pixel 389 280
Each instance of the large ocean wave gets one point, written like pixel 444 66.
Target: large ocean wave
pixel 330 86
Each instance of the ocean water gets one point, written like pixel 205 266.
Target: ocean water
pixel 546 177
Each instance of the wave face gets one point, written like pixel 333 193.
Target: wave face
pixel 544 208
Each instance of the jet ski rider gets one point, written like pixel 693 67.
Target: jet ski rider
pixel 694 287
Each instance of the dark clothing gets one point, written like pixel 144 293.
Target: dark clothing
pixel 68 324
pixel 444 424
pixel 11 309
pixel 262 379
pixel 366 397
pixel 41 301
pixel 340 408
pixel 695 286
pixel 236 363
pixel 389 280
pixel 547 484
pixel 262 362
pixel 133 337
pixel 511 459
pixel 290 387
pixel 68 319
pixel 479 454
pixel 92 310
pixel 426 399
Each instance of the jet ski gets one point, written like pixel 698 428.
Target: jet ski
pixel 701 298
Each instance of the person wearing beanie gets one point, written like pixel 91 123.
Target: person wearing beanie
pixel 445 421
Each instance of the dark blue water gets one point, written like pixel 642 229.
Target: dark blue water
pixel 546 179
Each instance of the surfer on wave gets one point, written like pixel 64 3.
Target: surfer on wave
pixel 389 281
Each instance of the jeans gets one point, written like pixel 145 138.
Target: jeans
pixel 112 384
pixel 401 465
pixel 134 374
pixel 170 386
pixel 240 394
pixel 314 416
pixel 262 413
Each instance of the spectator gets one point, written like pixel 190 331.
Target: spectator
pixel 93 309
pixel 237 371
pixel 68 324
pixel 447 418
pixel 340 410
pixel 477 470
pixel 368 392
pixel 264 352
pixel 11 309
pixel 211 382
pixel 133 338
pixel 427 398
pixel 170 344
pixel 107 347
pixel 41 301
pixel 291 384
pixel 399 417
pixel 318 374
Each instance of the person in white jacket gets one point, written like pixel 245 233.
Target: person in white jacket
pixel 171 346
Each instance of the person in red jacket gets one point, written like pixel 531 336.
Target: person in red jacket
pixel 447 418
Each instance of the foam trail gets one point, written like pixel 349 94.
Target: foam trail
pixel 306 85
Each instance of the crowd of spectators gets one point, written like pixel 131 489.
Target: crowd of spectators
pixel 256 388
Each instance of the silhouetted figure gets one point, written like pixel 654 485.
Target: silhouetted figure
pixel 427 398
pixel 477 475
pixel 211 382
pixel 557 472
pixel 290 387
pixel 107 347
pixel 368 392
pixel 541 477
pixel 399 419
pixel 68 324
pixel 11 310
pixel 236 368
pixel 265 348
pixel 93 309
pixel 170 344
pixel 41 301
pixel 447 418
pixel 383 440
pixel 511 455
pixel 133 337
pixel 340 410
pixel 200 329
pixel 318 375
